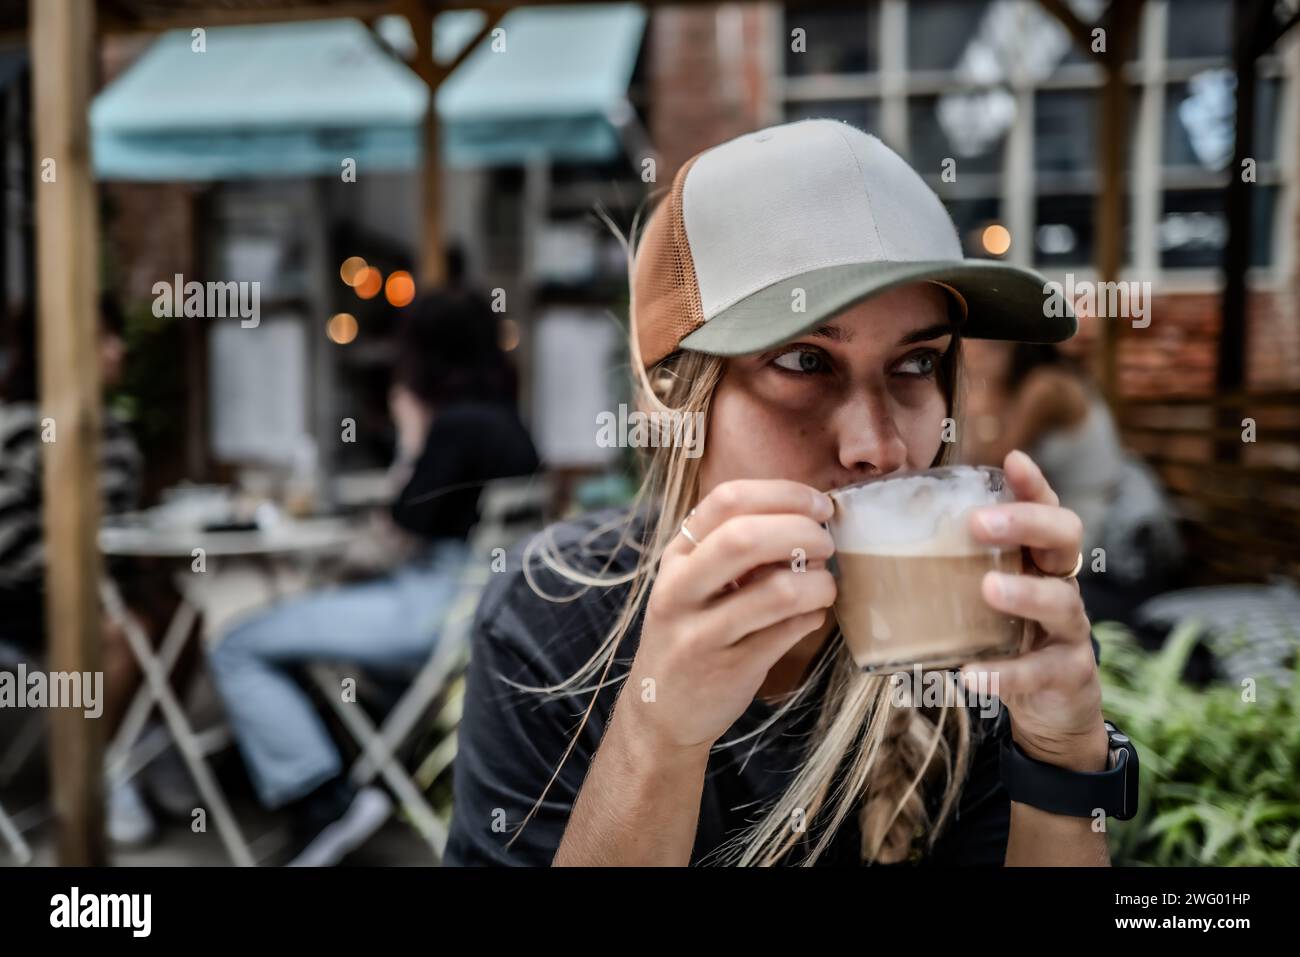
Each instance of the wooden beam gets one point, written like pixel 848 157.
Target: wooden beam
pixel 1276 22
pixel 494 15
pixel 1080 32
pixel 114 20
pixel 63 38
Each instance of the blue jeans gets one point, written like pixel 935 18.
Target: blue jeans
pixel 389 624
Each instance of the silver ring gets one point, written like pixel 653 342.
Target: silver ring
pixel 686 531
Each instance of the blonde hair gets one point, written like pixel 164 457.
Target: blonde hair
pixel 874 751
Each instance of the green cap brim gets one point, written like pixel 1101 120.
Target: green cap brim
pixel 1004 302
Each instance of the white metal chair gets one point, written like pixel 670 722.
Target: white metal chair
pixel 509 509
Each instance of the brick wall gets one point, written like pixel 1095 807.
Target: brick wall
pixel 149 236
pixel 1176 354
pixel 707 78
pixel 148 227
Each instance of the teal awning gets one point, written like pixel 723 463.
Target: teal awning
pixel 295 99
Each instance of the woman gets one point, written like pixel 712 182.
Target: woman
pixel 1039 399
pixel 457 428
pixel 665 686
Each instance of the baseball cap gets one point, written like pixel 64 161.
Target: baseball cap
pixel 821 207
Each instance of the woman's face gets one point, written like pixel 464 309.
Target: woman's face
pixel 854 398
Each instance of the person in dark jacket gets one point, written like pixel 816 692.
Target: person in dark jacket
pixel 457 429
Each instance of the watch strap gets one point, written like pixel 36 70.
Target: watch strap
pixel 1072 793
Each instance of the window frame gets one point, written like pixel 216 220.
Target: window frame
pixel 1149 76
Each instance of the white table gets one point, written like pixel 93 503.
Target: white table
pixel 304 540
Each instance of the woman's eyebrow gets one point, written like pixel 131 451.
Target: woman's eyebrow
pixel 837 334
pixel 833 333
pixel 927 333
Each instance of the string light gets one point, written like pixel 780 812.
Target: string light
pixel 399 290
pixel 996 239
pixel 351 269
pixel 342 328
pixel 369 282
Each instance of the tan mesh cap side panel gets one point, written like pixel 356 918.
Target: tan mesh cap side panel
pixel 666 303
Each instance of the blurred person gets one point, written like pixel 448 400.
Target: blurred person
pixel 22 546
pixel 1041 400
pixel 662 685
pixel 453 404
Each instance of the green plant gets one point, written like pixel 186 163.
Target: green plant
pixel 1220 767
pixel 152 394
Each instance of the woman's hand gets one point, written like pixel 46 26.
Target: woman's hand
pixel 723 612
pixel 1051 690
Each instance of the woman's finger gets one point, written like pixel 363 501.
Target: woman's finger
pixel 1055 666
pixel 747 542
pixel 1052 602
pixel 1027 480
pixel 768 645
pixel 774 595
pixel 1047 527
pixel 749 497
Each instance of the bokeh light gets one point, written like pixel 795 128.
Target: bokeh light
pixel 400 288
pixel 351 269
pixel 996 239
pixel 369 282
pixel 342 328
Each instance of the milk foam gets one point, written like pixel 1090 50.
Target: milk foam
pixel 912 515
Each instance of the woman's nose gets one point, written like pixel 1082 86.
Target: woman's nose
pixel 869 441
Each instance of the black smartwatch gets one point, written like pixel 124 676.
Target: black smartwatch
pixel 1075 793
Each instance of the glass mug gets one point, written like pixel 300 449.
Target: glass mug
pixel 909 571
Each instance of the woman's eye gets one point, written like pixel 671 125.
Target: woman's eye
pixel 921 364
pixel 803 361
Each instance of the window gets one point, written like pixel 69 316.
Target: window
pixel 938 32
pixel 997 91
pixel 835 40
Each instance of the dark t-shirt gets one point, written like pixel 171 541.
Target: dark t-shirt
pixel 510 741
pixel 469 443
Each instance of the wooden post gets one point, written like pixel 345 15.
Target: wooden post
pixel 1123 23
pixel 1230 374
pixel 63 58
pixel 1109 205
pixel 433 254
pixel 1120 27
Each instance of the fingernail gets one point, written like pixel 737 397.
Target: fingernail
pixel 823 507
pixel 994 522
pixel 1002 585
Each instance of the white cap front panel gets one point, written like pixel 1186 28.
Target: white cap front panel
pixel 775 204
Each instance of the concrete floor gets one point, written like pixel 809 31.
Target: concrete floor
pixel 395 845
pixel 25 800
